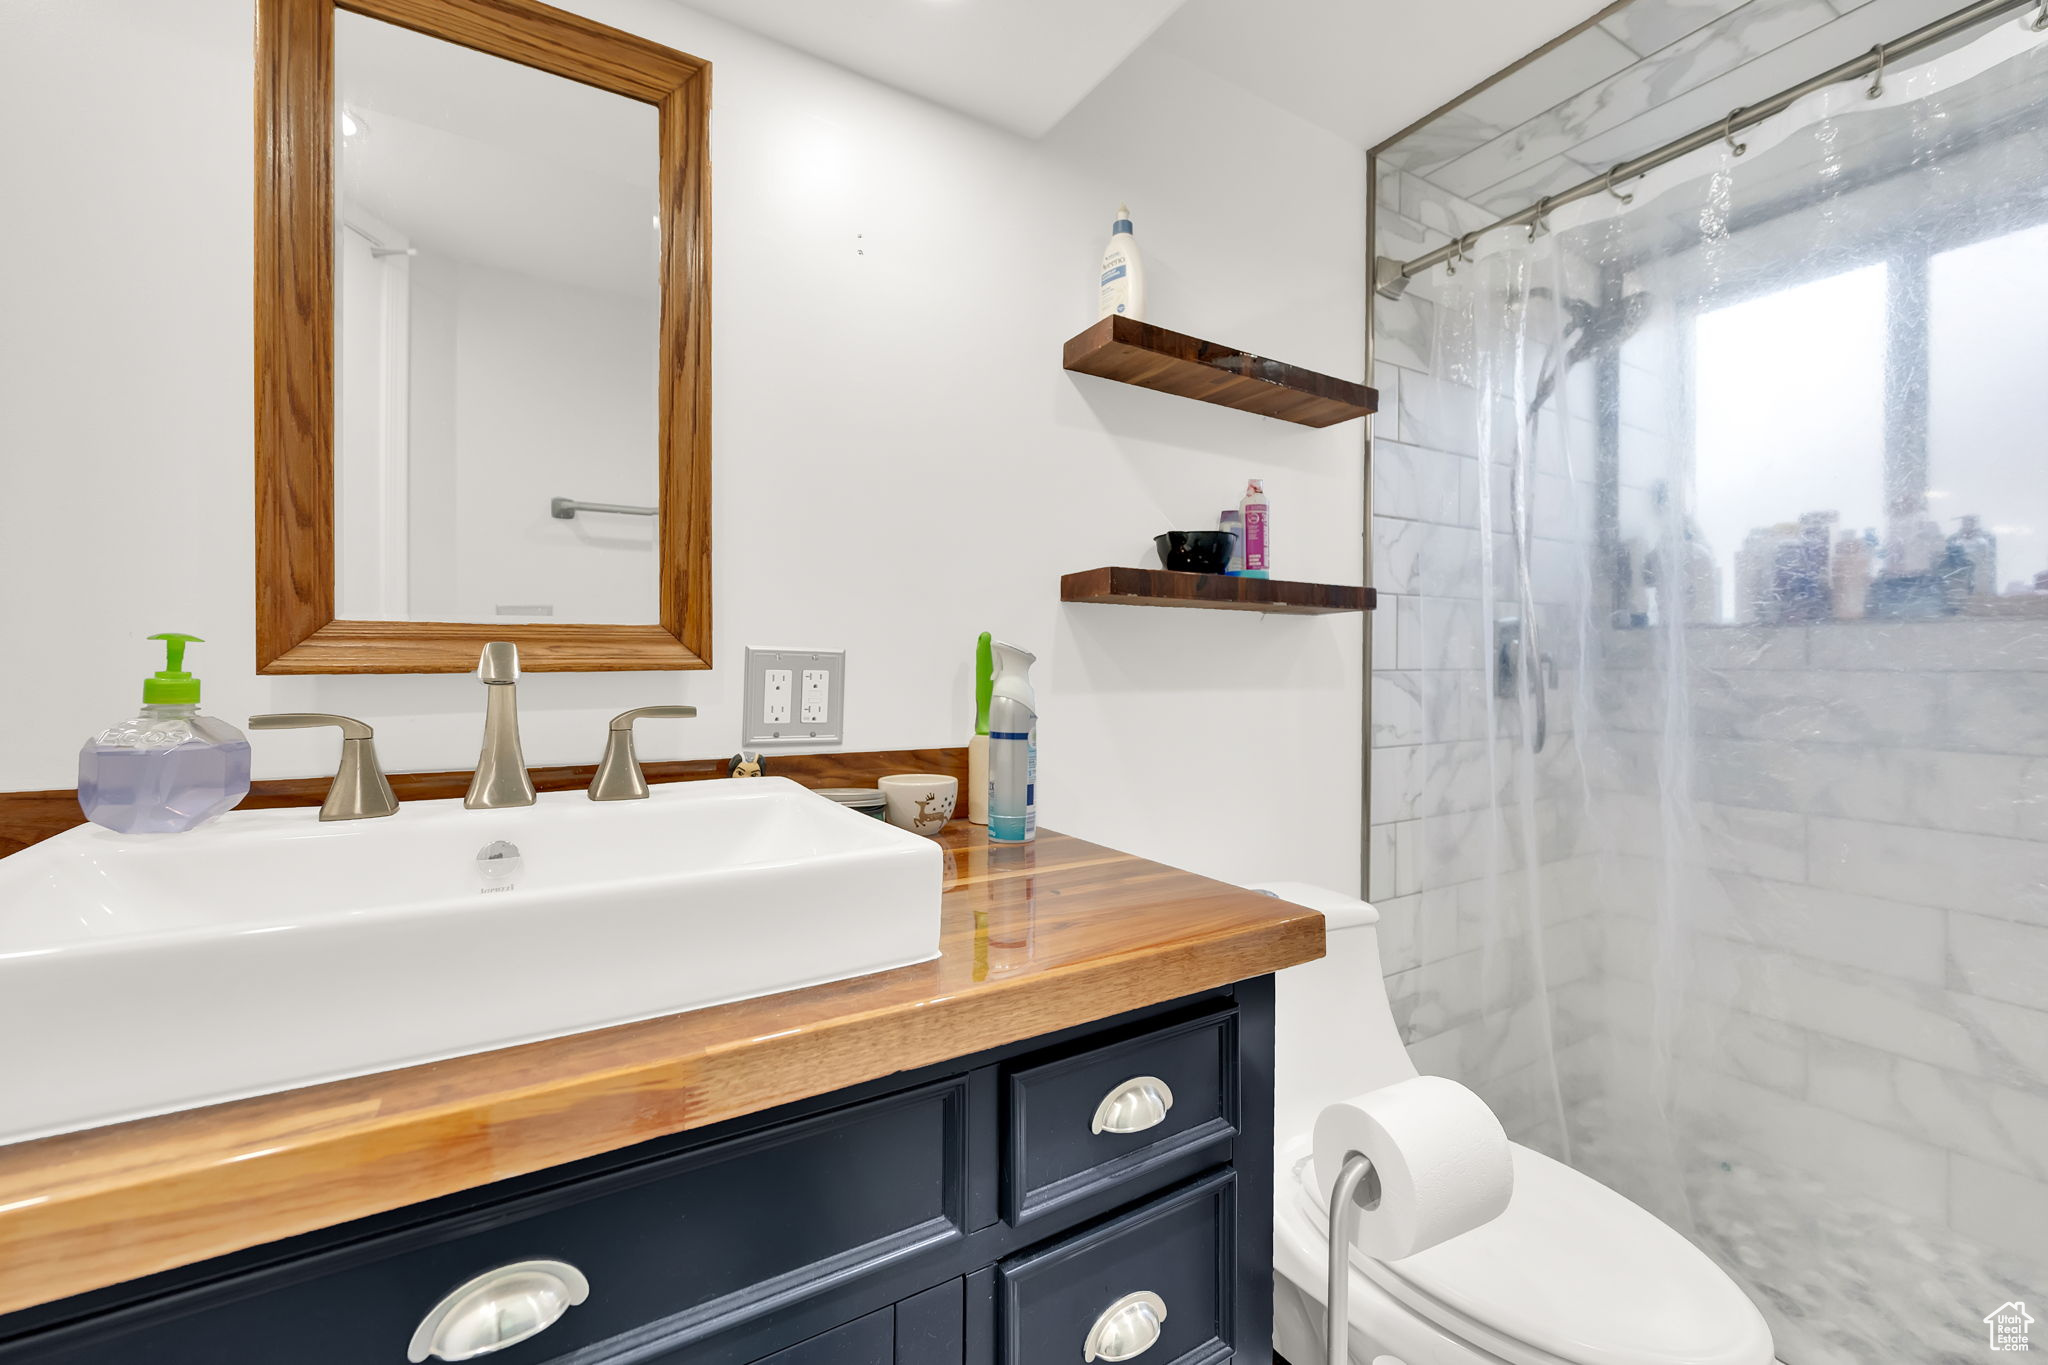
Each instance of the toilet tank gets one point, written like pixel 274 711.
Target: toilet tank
pixel 1334 1033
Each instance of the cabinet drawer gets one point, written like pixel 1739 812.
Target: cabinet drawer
pixel 1150 1285
pixel 674 1250
pixel 1108 1115
pixel 868 1341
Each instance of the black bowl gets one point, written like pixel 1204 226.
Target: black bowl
pixel 1196 551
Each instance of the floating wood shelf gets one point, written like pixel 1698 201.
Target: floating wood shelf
pixel 1134 352
pixel 1165 588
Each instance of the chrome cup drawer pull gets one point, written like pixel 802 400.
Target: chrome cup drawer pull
pixel 1127 1328
pixel 1139 1103
pixel 498 1308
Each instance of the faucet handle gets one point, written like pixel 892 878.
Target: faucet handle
pixel 359 790
pixel 499 663
pixel 618 776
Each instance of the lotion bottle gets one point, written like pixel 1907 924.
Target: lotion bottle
pixel 1123 271
pixel 1012 748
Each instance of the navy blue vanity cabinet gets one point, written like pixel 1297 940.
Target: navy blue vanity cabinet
pixel 1108 1189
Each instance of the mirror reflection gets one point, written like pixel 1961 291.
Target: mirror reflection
pixel 497 312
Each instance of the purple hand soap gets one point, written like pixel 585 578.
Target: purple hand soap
pixel 168 769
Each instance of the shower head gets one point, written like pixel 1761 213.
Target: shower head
pixel 1591 328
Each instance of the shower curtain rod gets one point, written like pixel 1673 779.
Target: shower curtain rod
pixel 1390 277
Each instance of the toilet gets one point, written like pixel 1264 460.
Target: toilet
pixel 1571 1274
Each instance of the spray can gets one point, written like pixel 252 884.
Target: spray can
pixel 1256 514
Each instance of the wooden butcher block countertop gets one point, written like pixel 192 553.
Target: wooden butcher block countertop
pixel 1036 938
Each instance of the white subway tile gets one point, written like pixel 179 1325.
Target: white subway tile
pixel 1931 788
pixel 1462 846
pixel 1999 1207
pixel 1379 864
pixel 1932 646
pixel 1425 558
pixel 2030 812
pixel 1880 1012
pixel 2010 1042
pixel 1417 484
pixel 1438 209
pixel 1885 937
pixel 1404 331
pixel 1999 960
pixel 1407 839
pixel 1396 933
pixel 1395 869
pixel 2007 878
pixel 1958 1113
pixel 1455 704
pixel 1749 1047
pixel 1429 1000
pixel 1846 1155
pixel 1437 632
pixel 1766 843
pixel 1877 709
pixel 2000 713
pixel 1396 783
pixel 1397 715
pixel 1746 647
pixel 1490 1047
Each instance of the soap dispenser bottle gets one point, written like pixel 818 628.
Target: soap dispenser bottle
pixel 1012 748
pixel 168 769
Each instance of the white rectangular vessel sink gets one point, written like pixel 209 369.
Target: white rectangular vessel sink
pixel 146 973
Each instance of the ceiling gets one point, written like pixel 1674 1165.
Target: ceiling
pixel 1363 69
pixel 1019 64
pixel 465 157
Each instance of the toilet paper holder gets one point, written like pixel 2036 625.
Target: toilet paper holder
pixel 1356 1191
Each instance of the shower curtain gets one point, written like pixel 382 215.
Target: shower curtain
pixel 1735 703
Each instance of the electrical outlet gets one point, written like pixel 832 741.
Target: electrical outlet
pixel 795 696
pixel 775 698
pixel 817 705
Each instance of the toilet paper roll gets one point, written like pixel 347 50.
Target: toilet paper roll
pixel 1440 1156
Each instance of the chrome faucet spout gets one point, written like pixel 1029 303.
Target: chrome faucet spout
pixel 501 778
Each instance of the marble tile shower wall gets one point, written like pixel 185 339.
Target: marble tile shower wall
pixel 1642 76
pixel 1872 803
pixel 1869 905
pixel 1452 833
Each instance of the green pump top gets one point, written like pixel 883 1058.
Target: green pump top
pixel 172 685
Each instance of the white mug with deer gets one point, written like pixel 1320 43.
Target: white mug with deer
pixel 919 802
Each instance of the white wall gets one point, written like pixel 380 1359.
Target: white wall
pixel 900 460
pixel 555 395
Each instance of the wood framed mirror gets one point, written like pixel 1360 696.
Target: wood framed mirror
pixel 483 332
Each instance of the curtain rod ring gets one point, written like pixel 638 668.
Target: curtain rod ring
pixel 1457 255
pixel 1876 90
pixel 1728 131
pixel 1628 198
pixel 2040 19
pixel 1537 225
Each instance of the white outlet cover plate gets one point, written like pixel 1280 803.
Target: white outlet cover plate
pixel 759 732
